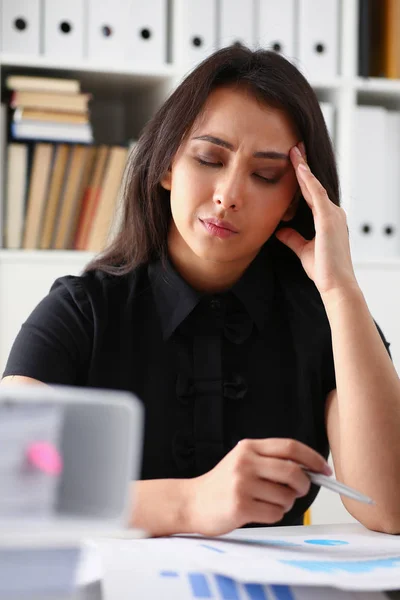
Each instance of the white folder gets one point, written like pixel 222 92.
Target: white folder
pixel 276 26
pixel 236 22
pixel 194 31
pixel 368 191
pixel 108 29
pixel 147 40
pixel 318 31
pixel 64 28
pixel 389 222
pixel 20 26
pixel 329 116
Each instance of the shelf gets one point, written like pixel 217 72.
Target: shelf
pixel 377 263
pixel 376 85
pixel 73 256
pixel 36 257
pixel 327 85
pixel 90 72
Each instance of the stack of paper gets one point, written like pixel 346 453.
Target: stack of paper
pixel 334 567
pixel 32 573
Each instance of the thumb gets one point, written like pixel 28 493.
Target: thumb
pixel 292 239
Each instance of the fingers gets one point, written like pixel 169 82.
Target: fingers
pixel 260 512
pixel 312 190
pixel 288 449
pixel 274 493
pixel 283 472
pixel 292 239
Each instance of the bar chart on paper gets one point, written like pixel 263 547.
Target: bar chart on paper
pixel 352 562
pixel 196 585
pixel 199 585
pixel 193 568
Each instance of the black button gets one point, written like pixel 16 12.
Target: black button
pixel 215 304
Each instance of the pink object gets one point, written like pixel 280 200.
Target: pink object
pixel 44 457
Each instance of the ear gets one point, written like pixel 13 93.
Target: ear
pixel 291 211
pixel 166 180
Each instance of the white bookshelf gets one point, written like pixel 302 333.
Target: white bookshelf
pixel 26 276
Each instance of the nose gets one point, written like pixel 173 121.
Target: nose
pixel 229 193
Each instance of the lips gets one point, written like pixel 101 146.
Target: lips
pixel 221 224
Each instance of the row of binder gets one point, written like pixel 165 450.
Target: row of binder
pixel 106 31
pixel 374 207
pixel 182 32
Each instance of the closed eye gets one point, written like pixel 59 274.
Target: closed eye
pixel 268 179
pixel 215 165
pixel 208 163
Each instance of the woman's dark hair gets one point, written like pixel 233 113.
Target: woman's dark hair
pixel 146 214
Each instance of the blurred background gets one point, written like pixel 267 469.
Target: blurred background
pixel 79 80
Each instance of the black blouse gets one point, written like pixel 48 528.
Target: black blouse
pixel 253 362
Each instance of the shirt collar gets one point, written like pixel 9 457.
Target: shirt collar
pixel 175 298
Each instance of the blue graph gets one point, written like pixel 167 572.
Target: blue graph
pixel 228 589
pixel 282 592
pixel 213 548
pixel 199 585
pixel 270 542
pixel 354 566
pixel 326 542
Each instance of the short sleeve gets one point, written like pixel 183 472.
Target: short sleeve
pixel 329 369
pixel 54 343
pixel 384 340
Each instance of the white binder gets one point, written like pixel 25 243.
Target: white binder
pixel 318 31
pixel 194 31
pixel 389 222
pixel 236 22
pixel 276 26
pixel 368 157
pixel 147 38
pixel 64 26
pixel 329 116
pixel 20 26
pixel 108 29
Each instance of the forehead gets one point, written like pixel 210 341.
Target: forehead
pixel 236 111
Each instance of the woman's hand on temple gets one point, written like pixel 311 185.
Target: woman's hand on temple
pixel 326 258
pixel 258 481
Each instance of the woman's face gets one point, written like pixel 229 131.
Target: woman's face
pixel 231 181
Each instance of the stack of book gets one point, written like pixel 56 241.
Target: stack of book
pixel 49 108
pixel 61 196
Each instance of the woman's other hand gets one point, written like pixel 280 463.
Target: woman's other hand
pixel 326 259
pixel 258 481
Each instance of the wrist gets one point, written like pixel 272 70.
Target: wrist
pixel 336 297
pixel 187 514
pixel 163 506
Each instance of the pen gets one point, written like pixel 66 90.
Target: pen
pixel 336 486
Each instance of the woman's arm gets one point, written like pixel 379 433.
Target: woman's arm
pixel 20 380
pixel 363 414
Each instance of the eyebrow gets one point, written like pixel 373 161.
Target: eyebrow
pixel 261 154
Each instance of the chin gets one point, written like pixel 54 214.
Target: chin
pixel 220 255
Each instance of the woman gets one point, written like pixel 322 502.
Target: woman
pixel 229 305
